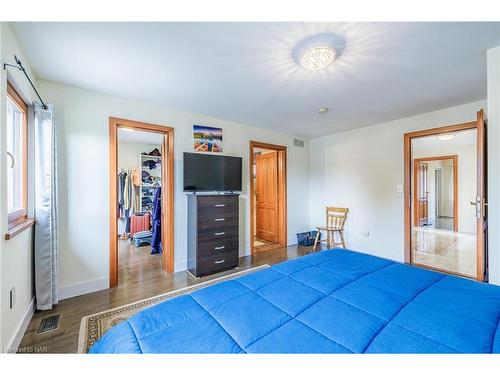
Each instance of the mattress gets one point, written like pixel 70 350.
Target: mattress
pixel 334 301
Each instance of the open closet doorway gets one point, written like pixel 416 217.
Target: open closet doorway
pixel 268 196
pixel 446 199
pixel 141 207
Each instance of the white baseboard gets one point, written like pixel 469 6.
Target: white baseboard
pixel 21 329
pixel 77 289
pixel 180 266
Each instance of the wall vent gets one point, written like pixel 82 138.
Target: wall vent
pixel 298 143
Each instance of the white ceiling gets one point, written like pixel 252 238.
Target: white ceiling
pixel 464 137
pixel 245 72
pixel 140 137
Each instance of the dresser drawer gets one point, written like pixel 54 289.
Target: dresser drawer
pixel 216 263
pixel 218 232
pixel 217 221
pixel 212 206
pixel 217 247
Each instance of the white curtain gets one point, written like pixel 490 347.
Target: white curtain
pixel 45 203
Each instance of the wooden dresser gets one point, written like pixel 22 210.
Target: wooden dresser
pixel 213 231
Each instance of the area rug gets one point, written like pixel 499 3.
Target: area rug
pixel 93 327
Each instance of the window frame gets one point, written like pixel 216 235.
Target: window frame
pixel 19 216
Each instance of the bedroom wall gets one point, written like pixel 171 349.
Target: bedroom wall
pixel 82 118
pixel 493 116
pixel 128 153
pixel 363 169
pixel 16 255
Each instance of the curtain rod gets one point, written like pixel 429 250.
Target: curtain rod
pixel 21 68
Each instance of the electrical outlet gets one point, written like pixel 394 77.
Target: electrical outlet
pixel 12 295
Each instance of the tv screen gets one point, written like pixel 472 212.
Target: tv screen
pixel 204 172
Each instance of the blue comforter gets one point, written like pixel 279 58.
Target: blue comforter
pixel 335 301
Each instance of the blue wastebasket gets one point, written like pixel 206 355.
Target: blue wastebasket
pixel 307 238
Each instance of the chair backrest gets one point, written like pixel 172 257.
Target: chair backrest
pixel 336 217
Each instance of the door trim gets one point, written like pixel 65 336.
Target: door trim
pixel 282 193
pixel 482 188
pixel 455 186
pixel 167 156
pixel 407 138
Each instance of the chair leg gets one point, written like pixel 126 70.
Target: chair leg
pixel 316 240
pixel 330 242
pixel 341 233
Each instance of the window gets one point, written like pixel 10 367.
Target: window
pixel 17 147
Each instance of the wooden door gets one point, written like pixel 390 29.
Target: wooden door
pixel 481 200
pixel 266 196
pixel 423 194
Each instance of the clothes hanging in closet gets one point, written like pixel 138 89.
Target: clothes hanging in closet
pixel 135 177
pixel 129 200
pixel 127 193
pixel 122 176
pixel 137 193
pixel 127 197
pixel 156 246
pixel 136 186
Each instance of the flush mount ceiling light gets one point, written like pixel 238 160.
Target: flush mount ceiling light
pixel 319 51
pixel 322 110
pixel 446 136
pixel 317 58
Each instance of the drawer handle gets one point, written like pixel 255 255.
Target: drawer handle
pixel 219 247
pixel 219 261
pixel 221 219
pixel 219 233
pixel 219 205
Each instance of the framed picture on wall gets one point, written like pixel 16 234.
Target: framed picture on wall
pixel 207 138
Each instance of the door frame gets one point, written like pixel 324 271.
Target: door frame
pixel 416 185
pixel 167 159
pixel 282 193
pixel 407 138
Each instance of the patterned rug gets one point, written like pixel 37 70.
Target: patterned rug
pixel 93 327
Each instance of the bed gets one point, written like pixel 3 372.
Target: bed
pixel 334 301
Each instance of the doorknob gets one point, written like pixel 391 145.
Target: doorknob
pixel 475 203
pixel 479 203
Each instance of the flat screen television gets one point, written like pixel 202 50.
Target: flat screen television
pixel 204 172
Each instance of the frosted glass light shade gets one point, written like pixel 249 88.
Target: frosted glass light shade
pixel 317 58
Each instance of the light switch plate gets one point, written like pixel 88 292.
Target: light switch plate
pixel 400 188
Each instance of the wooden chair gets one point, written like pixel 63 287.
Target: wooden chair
pixel 335 220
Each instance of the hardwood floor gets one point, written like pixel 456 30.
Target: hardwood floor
pixel 140 276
